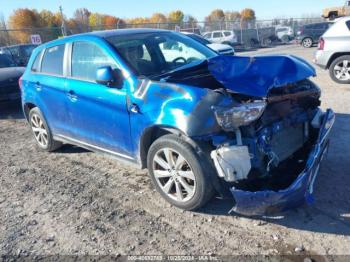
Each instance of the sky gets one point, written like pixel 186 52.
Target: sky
pixel 265 9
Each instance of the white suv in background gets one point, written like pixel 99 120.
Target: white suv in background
pixel 334 51
pixel 221 37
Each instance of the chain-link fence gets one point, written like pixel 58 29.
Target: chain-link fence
pixel 246 33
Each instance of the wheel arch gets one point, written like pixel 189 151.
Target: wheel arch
pixel 27 107
pixel 334 57
pixel 150 135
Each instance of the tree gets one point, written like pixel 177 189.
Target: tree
pixel 81 16
pixel 138 21
pixel 4 35
pixel 96 20
pixel 110 21
pixel 158 18
pixel 216 15
pixel 247 17
pixel 232 16
pixel 176 16
pixel 248 14
pixel 23 18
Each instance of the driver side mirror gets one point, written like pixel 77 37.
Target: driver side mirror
pixel 107 76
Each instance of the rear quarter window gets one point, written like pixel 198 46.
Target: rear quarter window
pixel 52 62
pixel 36 63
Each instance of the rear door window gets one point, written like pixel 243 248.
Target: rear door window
pixel 53 61
pixel 227 33
pixel 87 58
pixel 217 35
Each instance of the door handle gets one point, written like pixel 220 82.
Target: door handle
pixel 72 95
pixel 38 86
pixel 134 109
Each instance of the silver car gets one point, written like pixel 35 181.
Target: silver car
pixel 334 51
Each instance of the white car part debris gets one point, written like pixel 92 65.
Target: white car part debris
pixel 232 163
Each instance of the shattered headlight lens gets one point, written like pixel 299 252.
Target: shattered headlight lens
pixel 242 115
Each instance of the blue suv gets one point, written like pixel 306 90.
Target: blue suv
pixel 248 128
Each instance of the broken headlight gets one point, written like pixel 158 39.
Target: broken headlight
pixel 244 114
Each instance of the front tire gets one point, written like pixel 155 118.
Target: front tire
pixel 339 70
pixel 307 42
pixel 41 131
pixel 178 173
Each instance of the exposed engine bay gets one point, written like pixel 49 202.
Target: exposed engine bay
pixel 288 123
pixel 273 133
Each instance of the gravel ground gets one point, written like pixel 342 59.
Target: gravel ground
pixel 76 202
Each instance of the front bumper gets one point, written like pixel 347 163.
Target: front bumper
pixel 299 192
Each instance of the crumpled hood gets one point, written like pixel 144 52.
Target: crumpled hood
pixel 255 76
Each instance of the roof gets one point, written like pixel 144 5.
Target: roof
pixel 115 32
pixel 103 34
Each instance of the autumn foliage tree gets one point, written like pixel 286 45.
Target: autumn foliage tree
pixel 176 16
pixel 247 17
pixel 23 18
pixel 216 15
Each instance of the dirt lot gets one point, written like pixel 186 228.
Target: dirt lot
pixel 77 202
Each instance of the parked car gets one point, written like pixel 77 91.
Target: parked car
pixel 308 35
pixel 335 12
pixel 219 48
pixel 249 129
pixel 284 33
pixel 20 53
pixel 333 51
pixel 221 37
pixel 9 76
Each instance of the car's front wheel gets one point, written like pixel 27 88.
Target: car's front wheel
pixel 307 42
pixel 340 70
pixel 178 173
pixel 41 131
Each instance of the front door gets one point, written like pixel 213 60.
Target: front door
pixel 97 114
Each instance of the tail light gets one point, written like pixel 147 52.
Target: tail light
pixel 20 82
pixel 321 44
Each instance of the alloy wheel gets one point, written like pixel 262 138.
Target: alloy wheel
pixel 174 175
pixel 307 42
pixel 342 70
pixel 39 130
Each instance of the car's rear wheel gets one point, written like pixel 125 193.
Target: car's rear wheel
pixel 178 173
pixel 340 70
pixel 41 131
pixel 307 42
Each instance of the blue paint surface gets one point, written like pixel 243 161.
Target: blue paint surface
pixel 255 76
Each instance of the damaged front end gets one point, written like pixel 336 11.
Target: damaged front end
pixel 261 119
pixel 274 142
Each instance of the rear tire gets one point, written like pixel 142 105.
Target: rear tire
pixel 41 131
pixel 339 70
pixel 178 173
pixel 307 42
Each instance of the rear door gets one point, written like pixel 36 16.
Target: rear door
pixel 217 37
pixel 97 113
pixel 48 82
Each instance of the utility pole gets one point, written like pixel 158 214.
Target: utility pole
pixel 63 26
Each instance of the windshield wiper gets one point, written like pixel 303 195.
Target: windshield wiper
pixel 177 70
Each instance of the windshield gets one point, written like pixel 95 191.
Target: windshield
pixel 151 54
pixel 6 61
